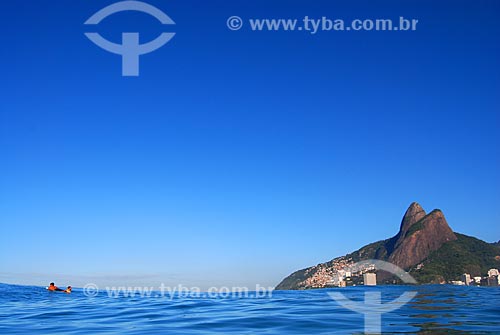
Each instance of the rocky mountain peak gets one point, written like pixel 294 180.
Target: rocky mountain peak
pixel 413 214
pixel 417 240
pixel 420 234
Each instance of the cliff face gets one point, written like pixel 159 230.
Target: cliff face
pixel 413 214
pixel 420 239
pixel 420 234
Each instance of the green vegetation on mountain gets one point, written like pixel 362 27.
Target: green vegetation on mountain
pixel 376 250
pixel 464 255
pixel 425 246
pixel 293 281
pixel 416 227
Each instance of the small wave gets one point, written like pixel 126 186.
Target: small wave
pixel 439 309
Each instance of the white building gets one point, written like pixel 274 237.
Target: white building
pixel 370 279
pixel 492 272
pixel 337 280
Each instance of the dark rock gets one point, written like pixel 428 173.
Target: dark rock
pixel 418 240
pixel 418 243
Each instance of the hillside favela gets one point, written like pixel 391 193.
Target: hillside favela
pixel 425 246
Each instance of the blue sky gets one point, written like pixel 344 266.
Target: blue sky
pixel 238 157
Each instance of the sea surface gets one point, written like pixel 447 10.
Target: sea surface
pixel 436 309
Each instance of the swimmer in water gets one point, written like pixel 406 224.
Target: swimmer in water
pixel 53 287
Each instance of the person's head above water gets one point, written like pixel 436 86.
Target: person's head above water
pixel 53 287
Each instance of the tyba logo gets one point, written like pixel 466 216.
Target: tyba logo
pixel 372 307
pixel 130 49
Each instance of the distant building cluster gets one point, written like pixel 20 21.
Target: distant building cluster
pixel 493 279
pixel 338 273
pixel 326 275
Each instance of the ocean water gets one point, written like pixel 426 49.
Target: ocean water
pixel 437 309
